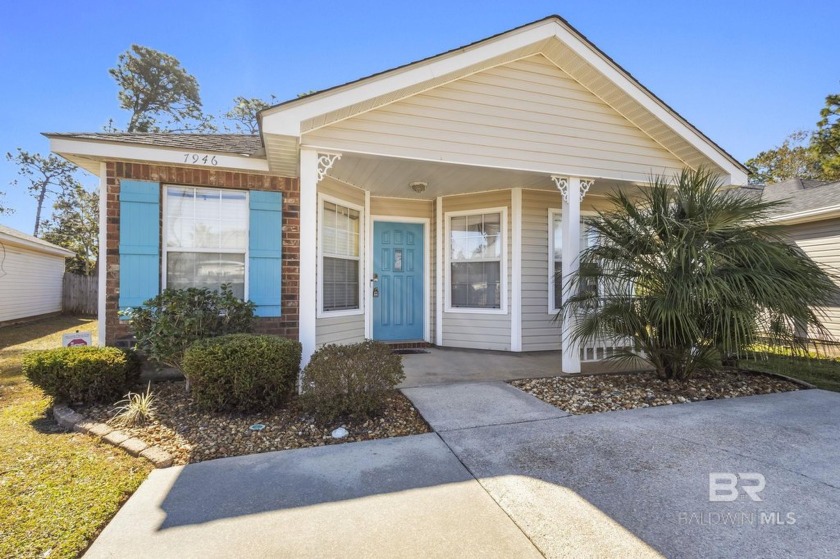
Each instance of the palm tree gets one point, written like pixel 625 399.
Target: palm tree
pixel 687 273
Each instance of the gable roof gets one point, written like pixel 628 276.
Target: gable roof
pixel 283 124
pixel 283 127
pixel 804 199
pixel 20 238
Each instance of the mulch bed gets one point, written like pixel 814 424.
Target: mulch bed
pixel 191 435
pixel 611 392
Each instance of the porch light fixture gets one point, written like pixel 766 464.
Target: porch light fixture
pixel 419 187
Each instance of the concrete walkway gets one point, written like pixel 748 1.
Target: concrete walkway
pixel 621 484
pixel 478 404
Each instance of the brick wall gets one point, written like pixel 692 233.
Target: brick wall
pixel 287 324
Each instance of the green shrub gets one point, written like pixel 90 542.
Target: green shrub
pixel 350 379
pixel 82 374
pixel 168 324
pixel 242 372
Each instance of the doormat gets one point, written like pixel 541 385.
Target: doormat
pixel 408 351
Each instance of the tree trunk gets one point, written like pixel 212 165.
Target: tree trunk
pixel 41 197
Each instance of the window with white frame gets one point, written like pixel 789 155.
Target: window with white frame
pixel 588 238
pixel 475 256
pixel 340 241
pixel 206 238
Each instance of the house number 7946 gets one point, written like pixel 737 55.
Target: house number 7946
pixel 198 159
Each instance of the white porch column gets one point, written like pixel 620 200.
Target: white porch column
pixel 570 227
pixel 439 271
pixel 367 258
pixel 573 190
pixel 102 259
pixel 516 270
pixel 308 259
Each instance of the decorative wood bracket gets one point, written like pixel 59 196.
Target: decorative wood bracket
pixel 562 184
pixel 585 185
pixel 325 163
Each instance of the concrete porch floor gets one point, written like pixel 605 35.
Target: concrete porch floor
pixel 447 365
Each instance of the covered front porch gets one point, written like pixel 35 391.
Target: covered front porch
pixel 459 256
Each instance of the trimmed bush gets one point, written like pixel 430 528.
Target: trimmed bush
pixel 168 324
pixel 350 379
pixel 242 372
pixel 82 374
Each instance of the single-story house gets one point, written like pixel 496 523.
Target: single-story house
pixel 31 276
pixel 811 216
pixel 432 202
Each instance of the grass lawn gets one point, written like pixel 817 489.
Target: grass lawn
pixel 57 489
pixel 822 373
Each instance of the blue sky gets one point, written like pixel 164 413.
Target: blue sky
pixel 747 73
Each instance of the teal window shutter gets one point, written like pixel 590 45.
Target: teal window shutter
pixel 139 242
pixel 265 252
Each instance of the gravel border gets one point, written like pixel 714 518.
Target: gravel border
pixel 72 421
pixel 192 435
pixel 584 394
pixel 800 382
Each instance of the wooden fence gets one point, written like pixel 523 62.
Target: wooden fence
pixel 80 294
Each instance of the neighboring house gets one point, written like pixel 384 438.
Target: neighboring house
pixel 31 276
pixel 432 202
pixel 811 216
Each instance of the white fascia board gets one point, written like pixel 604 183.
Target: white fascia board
pixel 817 214
pixel 155 154
pixel 737 175
pixel 36 247
pixel 287 120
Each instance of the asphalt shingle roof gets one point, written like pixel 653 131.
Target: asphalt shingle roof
pixel 241 144
pixel 799 195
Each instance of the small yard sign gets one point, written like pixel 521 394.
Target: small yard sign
pixel 79 339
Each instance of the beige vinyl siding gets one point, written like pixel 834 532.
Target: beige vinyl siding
pixel 30 282
pixel 341 191
pixel 538 331
pixel 479 330
pixel 402 207
pixel 821 241
pixel 342 329
pixel 527 114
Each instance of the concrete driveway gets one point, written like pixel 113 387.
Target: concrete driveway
pixel 526 481
pixel 583 485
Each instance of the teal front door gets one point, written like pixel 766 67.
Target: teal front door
pixel 398 311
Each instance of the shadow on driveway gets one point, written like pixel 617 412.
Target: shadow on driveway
pixel 307 477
